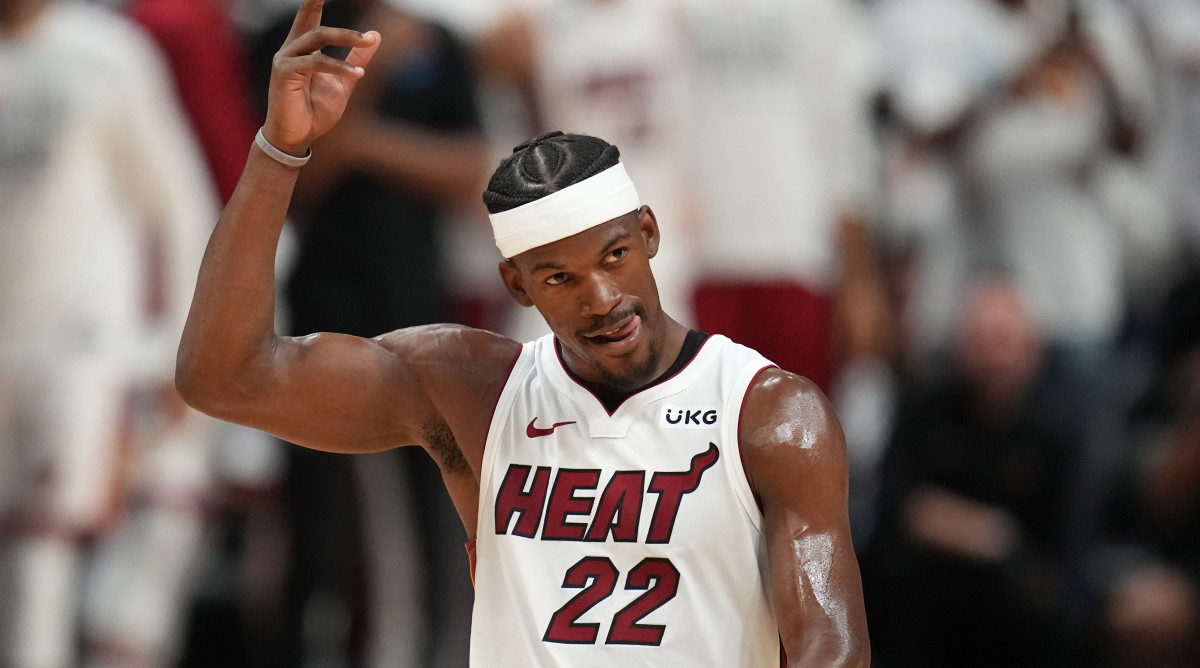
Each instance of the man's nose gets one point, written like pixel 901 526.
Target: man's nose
pixel 601 295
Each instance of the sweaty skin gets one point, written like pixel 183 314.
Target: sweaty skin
pixel 436 386
pixel 794 453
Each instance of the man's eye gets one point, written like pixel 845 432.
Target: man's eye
pixel 557 279
pixel 618 253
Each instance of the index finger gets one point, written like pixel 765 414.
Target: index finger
pixel 307 18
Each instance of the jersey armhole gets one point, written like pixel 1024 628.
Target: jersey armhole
pixel 520 367
pixel 738 477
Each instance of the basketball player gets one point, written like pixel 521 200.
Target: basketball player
pixel 638 494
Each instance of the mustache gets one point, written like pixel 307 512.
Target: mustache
pixel 609 321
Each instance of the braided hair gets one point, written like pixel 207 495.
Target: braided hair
pixel 544 165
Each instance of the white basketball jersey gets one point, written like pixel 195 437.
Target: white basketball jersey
pixel 626 539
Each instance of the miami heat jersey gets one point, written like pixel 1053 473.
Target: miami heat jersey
pixel 628 539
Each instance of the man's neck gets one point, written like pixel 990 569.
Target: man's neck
pixel 671 343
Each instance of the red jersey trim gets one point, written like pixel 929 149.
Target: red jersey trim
pixel 472 559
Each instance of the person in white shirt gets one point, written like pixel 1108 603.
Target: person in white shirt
pixel 98 175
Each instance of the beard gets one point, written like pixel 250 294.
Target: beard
pixel 635 378
pixel 638 373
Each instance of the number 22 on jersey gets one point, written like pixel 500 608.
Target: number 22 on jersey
pixel 597 576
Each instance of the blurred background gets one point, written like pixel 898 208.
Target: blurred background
pixel 974 223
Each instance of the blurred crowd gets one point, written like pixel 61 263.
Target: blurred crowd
pixel 974 223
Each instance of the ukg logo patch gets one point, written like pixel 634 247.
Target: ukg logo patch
pixel 688 417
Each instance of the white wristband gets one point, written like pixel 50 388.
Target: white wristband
pixel 285 158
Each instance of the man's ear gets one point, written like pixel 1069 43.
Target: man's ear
pixel 513 283
pixel 648 224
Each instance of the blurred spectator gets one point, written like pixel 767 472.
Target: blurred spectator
pixel 1158 196
pixel 999 144
pixel 782 149
pixel 614 69
pixel 106 206
pixel 209 65
pixel 1044 138
pixel 966 567
pixel 941 59
pixel 780 142
pixel 1026 162
pixel 142 573
pixel 1144 572
pixel 368 210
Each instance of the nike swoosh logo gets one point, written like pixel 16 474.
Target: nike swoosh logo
pixel 533 432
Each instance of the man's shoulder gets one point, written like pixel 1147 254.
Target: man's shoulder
pixel 788 432
pixel 779 402
pixel 480 351
pixel 462 370
pixel 773 380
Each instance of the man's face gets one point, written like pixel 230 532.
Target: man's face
pixel 999 348
pixel 596 291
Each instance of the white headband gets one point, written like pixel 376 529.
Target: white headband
pixel 569 211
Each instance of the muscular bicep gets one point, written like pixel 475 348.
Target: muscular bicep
pixel 345 394
pixel 342 393
pixel 328 392
pixel 795 456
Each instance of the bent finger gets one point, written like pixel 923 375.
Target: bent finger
pixel 316 63
pixel 320 37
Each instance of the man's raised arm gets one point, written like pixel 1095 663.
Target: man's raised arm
pixel 325 391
